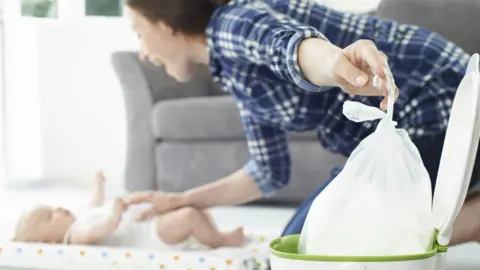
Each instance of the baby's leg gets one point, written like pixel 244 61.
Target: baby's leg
pixel 176 226
pixel 208 217
pixel 233 237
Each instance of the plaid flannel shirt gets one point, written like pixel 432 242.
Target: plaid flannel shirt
pixel 253 55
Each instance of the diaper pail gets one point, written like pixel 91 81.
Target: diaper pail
pixel 456 165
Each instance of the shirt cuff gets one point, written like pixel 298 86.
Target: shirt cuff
pixel 292 57
pixel 262 180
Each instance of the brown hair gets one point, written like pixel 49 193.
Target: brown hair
pixel 189 17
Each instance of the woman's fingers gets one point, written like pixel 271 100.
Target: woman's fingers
pixel 376 86
pixel 344 70
pixel 385 58
pixel 146 214
pixel 140 197
pixel 365 51
pixel 361 69
pixel 381 85
pixel 360 61
pixel 383 104
pixel 372 56
pixel 367 90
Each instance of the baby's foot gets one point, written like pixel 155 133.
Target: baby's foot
pixel 234 238
pixel 99 179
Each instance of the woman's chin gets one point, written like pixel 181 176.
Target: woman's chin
pixel 184 78
pixel 183 74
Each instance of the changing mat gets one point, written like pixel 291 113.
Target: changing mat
pixel 253 256
pixel 261 224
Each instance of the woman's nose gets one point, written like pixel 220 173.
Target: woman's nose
pixel 62 210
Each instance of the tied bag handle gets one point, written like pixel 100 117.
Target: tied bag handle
pixel 390 83
pixel 359 112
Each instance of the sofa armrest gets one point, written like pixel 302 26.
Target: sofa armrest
pixel 143 85
pixel 140 169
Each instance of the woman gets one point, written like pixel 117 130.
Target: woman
pixel 290 65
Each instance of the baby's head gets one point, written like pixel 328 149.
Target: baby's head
pixel 44 224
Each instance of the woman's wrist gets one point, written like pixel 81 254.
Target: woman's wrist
pixel 316 58
pixel 180 199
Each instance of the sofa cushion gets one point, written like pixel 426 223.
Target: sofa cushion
pixel 454 19
pixel 163 86
pixel 182 166
pixel 197 118
pixel 202 118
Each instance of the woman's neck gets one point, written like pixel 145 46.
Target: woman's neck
pixel 199 51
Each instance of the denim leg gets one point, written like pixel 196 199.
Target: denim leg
pixel 295 225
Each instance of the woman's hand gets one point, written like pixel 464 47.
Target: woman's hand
pixel 161 202
pixel 353 68
pixel 356 67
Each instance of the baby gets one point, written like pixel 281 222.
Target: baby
pixel 102 223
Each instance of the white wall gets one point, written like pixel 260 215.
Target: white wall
pixel 82 112
pixel 2 107
pixel 351 5
pixel 21 102
pixel 74 111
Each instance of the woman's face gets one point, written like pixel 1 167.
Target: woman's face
pixel 160 45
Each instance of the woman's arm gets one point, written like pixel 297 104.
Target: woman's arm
pixel 267 171
pixel 254 32
pixel 295 52
pixel 351 68
pixel 235 189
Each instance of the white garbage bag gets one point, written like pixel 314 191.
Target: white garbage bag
pixel 380 204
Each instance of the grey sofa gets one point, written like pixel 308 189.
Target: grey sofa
pixel 184 135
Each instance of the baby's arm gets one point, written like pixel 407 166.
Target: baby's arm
pixel 98 196
pixel 89 233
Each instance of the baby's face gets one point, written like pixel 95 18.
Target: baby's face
pixel 50 223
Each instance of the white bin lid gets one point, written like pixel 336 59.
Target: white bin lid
pixel 459 151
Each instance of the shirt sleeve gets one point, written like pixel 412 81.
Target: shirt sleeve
pixel 256 33
pixel 269 165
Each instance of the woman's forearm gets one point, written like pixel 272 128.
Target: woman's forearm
pixel 235 189
pixel 316 58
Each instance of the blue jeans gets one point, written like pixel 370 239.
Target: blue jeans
pixel 295 224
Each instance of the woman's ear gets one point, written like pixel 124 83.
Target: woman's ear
pixel 165 29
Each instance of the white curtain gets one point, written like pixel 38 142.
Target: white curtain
pixel 21 123
pixel 2 94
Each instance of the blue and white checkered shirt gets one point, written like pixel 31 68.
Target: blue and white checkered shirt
pixel 253 55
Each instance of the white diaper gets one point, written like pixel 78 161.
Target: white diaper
pixel 131 233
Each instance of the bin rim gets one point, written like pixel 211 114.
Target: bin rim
pixel 293 240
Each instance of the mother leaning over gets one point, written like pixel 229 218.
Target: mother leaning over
pixel 290 64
